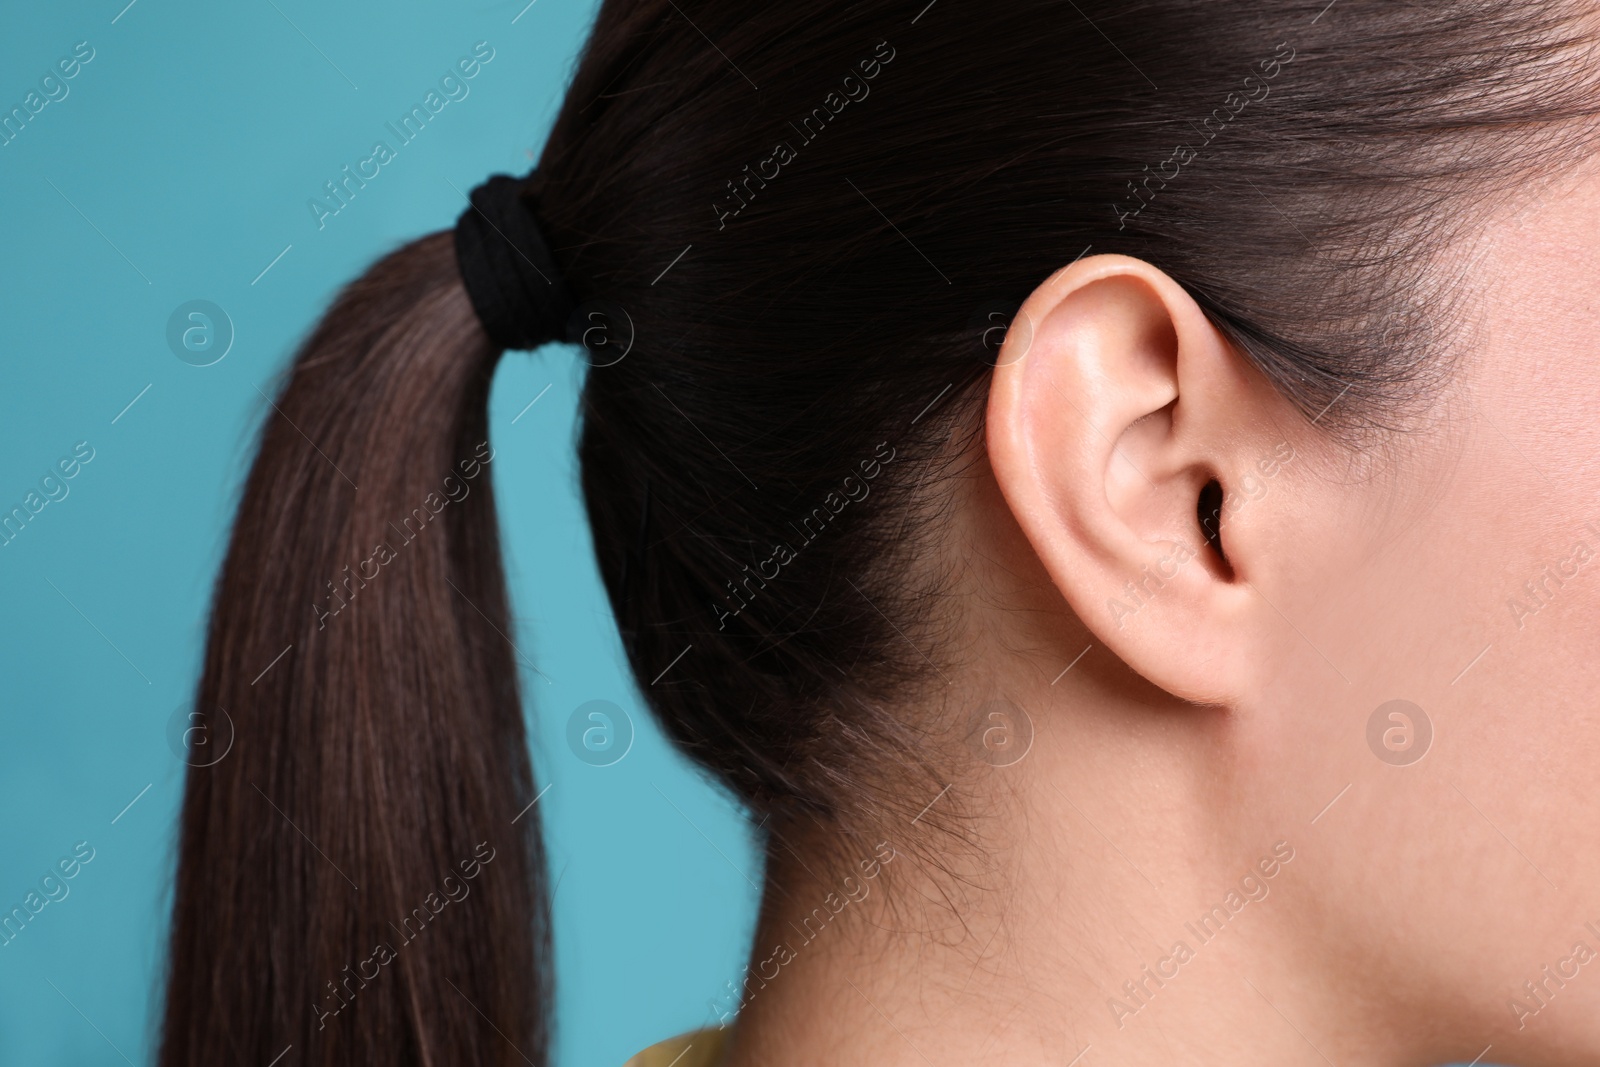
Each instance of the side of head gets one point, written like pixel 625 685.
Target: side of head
pixel 958 347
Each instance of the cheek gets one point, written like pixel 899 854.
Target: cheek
pixel 1536 456
pixel 1459 570
pixel 1447 863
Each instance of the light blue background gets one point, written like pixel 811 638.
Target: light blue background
pixel 190 144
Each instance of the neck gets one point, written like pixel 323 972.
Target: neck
pixel 1117 929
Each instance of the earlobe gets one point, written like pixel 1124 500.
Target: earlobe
pixel 1112 425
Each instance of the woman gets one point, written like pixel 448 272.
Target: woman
pixel 1109 486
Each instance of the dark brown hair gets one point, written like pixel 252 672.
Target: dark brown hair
pixel 801 220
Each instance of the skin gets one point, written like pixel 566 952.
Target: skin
pixel 1227 714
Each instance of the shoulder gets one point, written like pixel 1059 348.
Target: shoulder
pixel 699 1048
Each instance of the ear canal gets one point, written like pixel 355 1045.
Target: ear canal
pixel 1209 511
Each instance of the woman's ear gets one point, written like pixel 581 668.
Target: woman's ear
pixel 1127 438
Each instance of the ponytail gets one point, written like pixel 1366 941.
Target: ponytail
pixel 360 879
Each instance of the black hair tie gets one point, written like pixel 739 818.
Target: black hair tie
pixel 509 274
